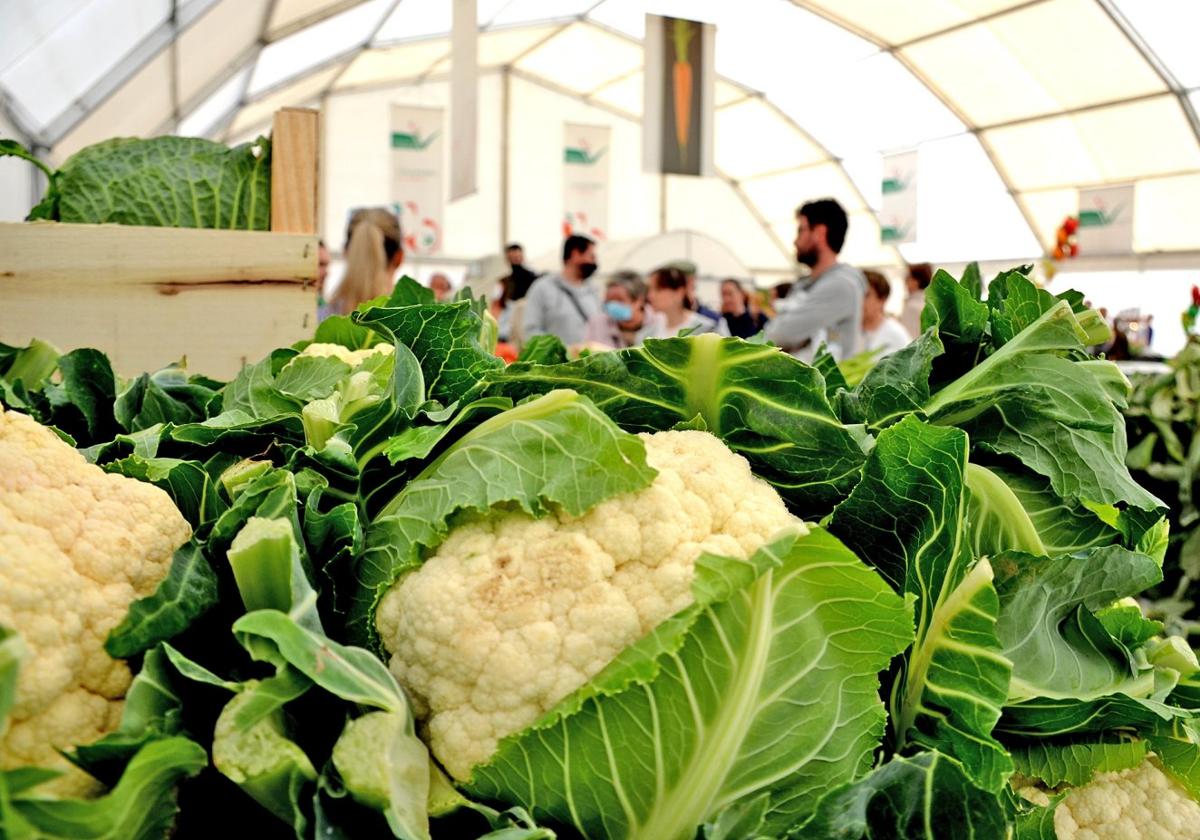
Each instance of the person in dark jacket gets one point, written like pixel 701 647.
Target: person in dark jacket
pixel 741 315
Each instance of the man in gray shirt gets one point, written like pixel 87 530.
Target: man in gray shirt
pixel 834 301
pixel 562 304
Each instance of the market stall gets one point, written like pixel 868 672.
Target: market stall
pixel 268 575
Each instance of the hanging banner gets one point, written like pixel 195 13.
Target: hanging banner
pixel 464 96
pixel 898 216
pixel 1105 221
pixel 418 175
pixel 585 180
pixel 680 82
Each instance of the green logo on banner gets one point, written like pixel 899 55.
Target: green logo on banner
pixel 581 156
pixel 412 141
pixel 893 233
pixel 1099 217
pixel 895 185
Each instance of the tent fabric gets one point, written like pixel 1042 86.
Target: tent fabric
pixel 1012 104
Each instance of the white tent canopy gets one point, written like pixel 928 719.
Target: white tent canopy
pixel 1012 105
pixel 714 258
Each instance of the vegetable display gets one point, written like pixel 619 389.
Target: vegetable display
pixel 160 182
pixel 1164 454
pixel 692 589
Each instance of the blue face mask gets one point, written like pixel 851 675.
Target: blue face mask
pixel 618 311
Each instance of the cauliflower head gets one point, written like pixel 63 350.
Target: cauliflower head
pixel 1140 803
pixel 511 614
pixel 77 546
pixel 354 358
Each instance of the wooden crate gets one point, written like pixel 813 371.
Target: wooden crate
pixel 149 296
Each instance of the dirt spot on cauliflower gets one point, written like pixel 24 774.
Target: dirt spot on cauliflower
pixel 512 614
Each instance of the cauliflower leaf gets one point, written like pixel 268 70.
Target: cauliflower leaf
pixel 761 687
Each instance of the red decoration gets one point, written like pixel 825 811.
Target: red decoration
pixel 1065 244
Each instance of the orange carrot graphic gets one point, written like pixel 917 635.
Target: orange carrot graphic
pixel 682 34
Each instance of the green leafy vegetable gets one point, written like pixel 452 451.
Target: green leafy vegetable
pixel 908 516
pixel 161 181
pixel 558 449
pixel 762 403
pixel 768 684
pixel 917 798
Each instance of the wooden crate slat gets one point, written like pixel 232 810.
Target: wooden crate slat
pixel 149 296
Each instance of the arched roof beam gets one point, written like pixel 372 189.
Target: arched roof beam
pixel 940 95
pixel 145 51
pixel 1139 43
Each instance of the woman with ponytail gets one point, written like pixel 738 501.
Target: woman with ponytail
pixel 373 252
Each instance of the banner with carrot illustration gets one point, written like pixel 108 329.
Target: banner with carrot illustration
pixel 679 84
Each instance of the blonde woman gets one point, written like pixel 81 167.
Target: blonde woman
pixel 374 250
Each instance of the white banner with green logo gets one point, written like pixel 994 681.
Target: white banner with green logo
pixel 418 176
pixel 1105 221
pixel 585 180
pixel 898 216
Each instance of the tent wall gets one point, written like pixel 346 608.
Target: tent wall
pixel 357 163
pixel 16 181
pixel 357 172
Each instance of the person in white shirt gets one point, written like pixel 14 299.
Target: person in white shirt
pixel 881 333
pixel 668 294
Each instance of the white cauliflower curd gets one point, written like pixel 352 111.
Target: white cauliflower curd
pixel 1140 803
pixel 511 614
pixel 77 546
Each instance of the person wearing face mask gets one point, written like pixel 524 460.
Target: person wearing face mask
pixel 835 290
pixel 625 320
pixel 562 304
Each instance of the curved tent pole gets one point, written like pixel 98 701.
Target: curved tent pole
pixel 937 92
pixel 1173 84
pixel 162 38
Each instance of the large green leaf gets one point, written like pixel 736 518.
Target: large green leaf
pixel 347 672
pixel 896 387
pixel 1048 627
pixel 760 401
pixel 445 338
pixel 1016 510
pixel 254 392
pixel 80 400
pixel 907 518
pixel 152 710
pixel 188 591
pixel 767 685
pixel 140 807
pixel 166 396
pixel 926 797
pixel 1075 762
pixel 956 310
pixel 1044 717
pixel 188 484
pixel 1029 401
pixel 558 450
pixel 25 369
pixel 1015 303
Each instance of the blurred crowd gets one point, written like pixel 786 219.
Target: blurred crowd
pixel 835 305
